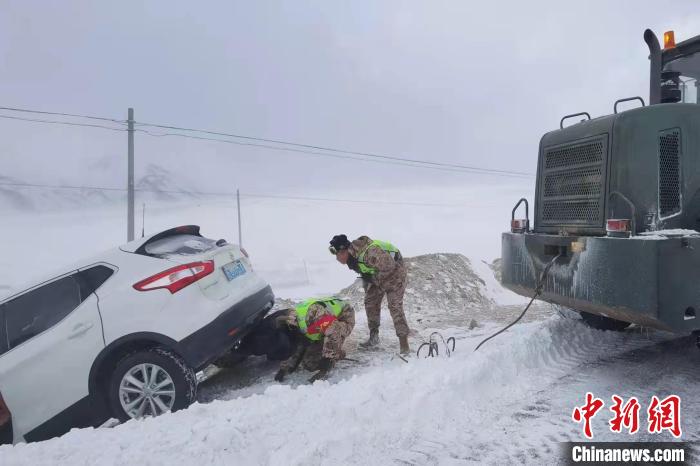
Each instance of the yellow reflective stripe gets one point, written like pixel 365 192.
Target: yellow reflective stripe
pixel 302 309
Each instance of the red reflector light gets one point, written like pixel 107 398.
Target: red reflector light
pixel 176 278
pixel 519 225
pixel 232 332
pixel 5 415
pixel 618 227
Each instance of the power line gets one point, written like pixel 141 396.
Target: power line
pixel 331 149
pixel 338 156
pixel 74 115
pixel 56 122
pixel 302 148
pixel 228 194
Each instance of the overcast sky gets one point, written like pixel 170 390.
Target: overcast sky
pixel 474 83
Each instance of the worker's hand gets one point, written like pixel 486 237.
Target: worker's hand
pixel 281 374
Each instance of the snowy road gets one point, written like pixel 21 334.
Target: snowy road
pixel 510 402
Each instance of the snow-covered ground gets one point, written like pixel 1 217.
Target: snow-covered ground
pixel 511 402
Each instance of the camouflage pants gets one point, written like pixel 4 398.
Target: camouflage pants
pixel 394 290
pixel 330 346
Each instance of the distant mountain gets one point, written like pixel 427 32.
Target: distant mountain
pixel 156 184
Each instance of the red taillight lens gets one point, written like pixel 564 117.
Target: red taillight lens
pixel 519 225
pixel 245 253
pixel 5 415
pixel 176 278
pixel 618 227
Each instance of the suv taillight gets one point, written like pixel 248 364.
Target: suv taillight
pixel 176 278
pixel 5 423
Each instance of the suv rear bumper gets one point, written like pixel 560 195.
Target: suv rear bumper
pixel 211 341
pixel 641 280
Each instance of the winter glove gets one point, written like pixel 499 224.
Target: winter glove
pixel 281 374
pixel 324 367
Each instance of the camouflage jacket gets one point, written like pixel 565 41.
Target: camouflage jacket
pixel 389 269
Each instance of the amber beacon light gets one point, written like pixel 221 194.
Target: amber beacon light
pixel 669 40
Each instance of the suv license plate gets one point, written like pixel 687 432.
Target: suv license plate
pixel 233 269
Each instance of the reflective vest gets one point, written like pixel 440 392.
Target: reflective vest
pixel 385 246
pixel 314 330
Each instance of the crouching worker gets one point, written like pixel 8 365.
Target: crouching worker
pixel 325 323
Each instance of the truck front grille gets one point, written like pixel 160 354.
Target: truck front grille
pixel 669 172
pixel 571 211
pixel 572 186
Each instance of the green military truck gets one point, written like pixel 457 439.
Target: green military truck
pixel 617 203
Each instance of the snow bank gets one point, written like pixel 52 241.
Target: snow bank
pixel 432 410
pixel 665 234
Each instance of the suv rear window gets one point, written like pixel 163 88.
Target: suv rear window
pixel 180 245
pixel 4 346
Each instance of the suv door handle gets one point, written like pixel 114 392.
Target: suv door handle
pixel 80 329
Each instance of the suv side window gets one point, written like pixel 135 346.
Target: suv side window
pixel 38 310
pixel 91 279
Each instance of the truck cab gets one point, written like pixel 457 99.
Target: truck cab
pixel 617 203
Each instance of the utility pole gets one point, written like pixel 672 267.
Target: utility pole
pixel 130 180
pixel 143 221
pixel 238 203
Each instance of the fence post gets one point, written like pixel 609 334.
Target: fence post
pixel 238 203
pixel 143 221
pixel 130 179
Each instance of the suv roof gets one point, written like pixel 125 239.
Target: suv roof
pixel 139 246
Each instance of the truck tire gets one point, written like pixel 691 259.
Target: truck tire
pixel 603 323
pixel 170 384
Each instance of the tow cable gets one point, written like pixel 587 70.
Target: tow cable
pixel 538 291
pixel 432 345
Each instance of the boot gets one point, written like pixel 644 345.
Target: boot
pixel 373 339
pixel 403 345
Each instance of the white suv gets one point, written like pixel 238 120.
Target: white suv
pixel 122 334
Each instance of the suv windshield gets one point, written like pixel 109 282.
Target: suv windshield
pixel 180 245
pixel 689 68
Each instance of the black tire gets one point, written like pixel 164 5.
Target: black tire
pixel 603 323
pixel 183 378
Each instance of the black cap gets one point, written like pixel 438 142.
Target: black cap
pixel 340 242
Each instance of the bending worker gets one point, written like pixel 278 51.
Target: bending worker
pixel 325 323
pixel 383 273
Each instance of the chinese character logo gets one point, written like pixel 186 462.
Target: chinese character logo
pixel 661 415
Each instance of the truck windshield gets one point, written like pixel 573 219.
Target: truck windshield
pixel 689 68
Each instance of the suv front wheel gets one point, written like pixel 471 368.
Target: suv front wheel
pixel 150 382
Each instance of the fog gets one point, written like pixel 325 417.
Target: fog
pixel 470 83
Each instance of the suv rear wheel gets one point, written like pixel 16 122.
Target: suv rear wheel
pixel 602 322
pixel 150 382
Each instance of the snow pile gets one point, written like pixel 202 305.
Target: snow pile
pixel 441 288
